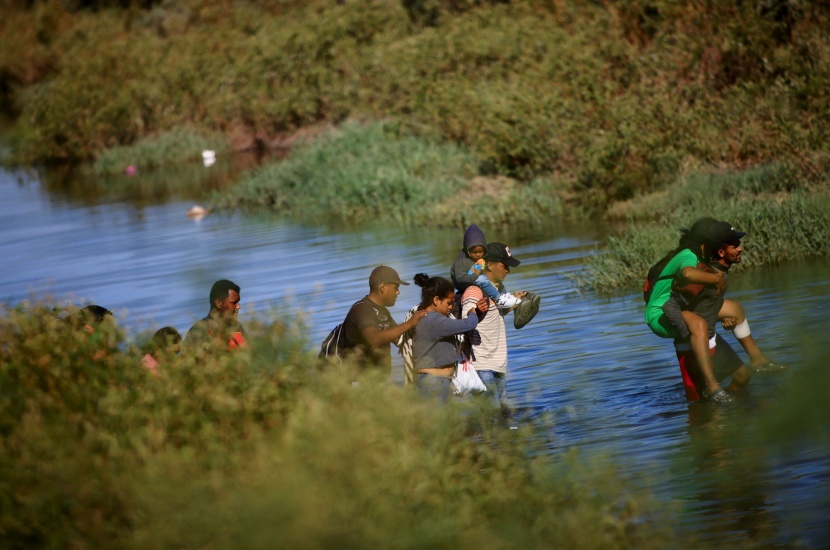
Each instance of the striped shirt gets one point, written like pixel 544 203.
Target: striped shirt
pixel 491 354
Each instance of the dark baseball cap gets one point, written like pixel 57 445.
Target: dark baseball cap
pixel 498 252
pixel 385 274
pixel 702 229
pixel 723 232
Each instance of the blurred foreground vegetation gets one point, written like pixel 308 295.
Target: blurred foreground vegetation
pixel 260 448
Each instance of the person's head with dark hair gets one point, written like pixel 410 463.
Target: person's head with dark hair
pixel 384 285
pixel 88 317
pixel 698 238
pixel 498 261
pixel 725 243
pixel 98 326
pixel 166 345
pixel 224 298
pixel 167 338
pixel 94 314
pixel 435 291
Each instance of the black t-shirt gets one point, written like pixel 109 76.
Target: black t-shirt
pixel 365 313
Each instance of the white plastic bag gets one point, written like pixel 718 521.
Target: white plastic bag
pixel 466 380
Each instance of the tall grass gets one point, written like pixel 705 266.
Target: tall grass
pixel 781 223
pixel 176 146
pixel 358 175
pixel 379 173
pixel 259 448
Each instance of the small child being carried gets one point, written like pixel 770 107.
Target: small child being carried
pixel 468 270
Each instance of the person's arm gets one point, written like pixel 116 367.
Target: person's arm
pixel 444 326
pixel 459 274
pixel 487 287
pixel 470 299
pixel 473 301
pixel 698 276
pixel 376 338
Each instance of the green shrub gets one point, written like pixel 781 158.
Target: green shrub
pixel 258 446
pixel 359 174
pixel 175 146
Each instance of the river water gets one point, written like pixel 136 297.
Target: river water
pixel 586 364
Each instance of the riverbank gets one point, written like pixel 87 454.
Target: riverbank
pixel 527 114
pixel 526 87
pixel 377 173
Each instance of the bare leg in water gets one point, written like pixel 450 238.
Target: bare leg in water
pixel 699 340
pixel 731 314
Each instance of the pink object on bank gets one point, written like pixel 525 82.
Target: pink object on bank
pixel 130 170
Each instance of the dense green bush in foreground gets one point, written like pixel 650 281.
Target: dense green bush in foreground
pixel 261 449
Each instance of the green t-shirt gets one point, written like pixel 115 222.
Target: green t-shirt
pixel 662 288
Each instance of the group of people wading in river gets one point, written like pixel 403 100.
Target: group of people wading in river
pixel 685 303
pixel 459 324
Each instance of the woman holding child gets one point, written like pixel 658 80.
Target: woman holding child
pixel 435 346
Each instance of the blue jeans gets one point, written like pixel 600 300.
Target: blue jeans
pixel 435 387
pixel 496 383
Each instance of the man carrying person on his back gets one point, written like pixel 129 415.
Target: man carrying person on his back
pixel 369 328
pixel 491 353
pixel 724 243
pixel 219 330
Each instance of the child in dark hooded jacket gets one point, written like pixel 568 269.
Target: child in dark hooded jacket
pixel 464 274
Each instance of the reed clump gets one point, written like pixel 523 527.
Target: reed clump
pixel 261 446
pixel 359 174
pixel 169 148
pixel 380 172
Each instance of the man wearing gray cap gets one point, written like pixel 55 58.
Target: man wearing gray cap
pixel 369 328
